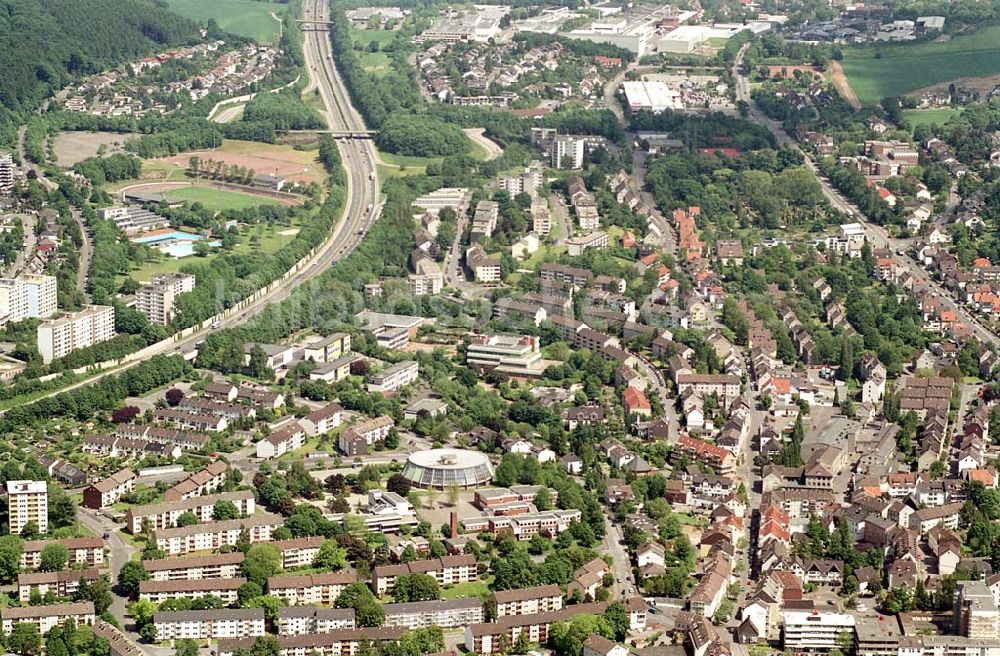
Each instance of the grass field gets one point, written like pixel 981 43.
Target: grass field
pixel 376 63
pixel 469 589
pixel 217 199
pixel 364 37
pixel 905 68
pixel 247 18
pixel 930 116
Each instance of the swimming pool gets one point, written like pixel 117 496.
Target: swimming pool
pixel 174 243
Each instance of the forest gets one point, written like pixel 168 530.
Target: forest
pixel 284 111
pixel 48 42
pixel 421 136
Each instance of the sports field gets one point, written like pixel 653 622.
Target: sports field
pixel 217 199
pixel 297 165
pixel 249 18
pixel 901 69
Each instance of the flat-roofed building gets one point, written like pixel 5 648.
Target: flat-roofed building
pixel 211 624
pixel 195 568
pixel 75 330
pixel 160 591
pixel 328 349
pixel 27 296
pixel 27 501
pixel 814 631
pixel 876 636
pixel 392 378
pixel 46 617
pixel 156 300
pixel 510 355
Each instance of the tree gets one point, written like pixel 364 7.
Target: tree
pixel 399 484
pixel 568 637
pixel 331 556
pixel 265 645
pixel 131 575
pixel 173 396
pixel 617 618
pixel 247 592
pixel 415 587
pixel 97 591
pixel 223 510
pixel 53 557
pixel 367 610
pixel 62 510
pixel 261 561
pixel 257 366
pixel 11 547
pixel 25 639
pixel 186 518
pixel 186 647
pixel 543 499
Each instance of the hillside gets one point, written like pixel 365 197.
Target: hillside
pixel 47 42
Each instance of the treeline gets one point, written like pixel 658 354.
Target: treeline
pixel 284 111
pixel 421 136
pixel 715 130
pixel 575 46
pixel 85 402
pixel 853 184
pixel 184 134
pixel 49 42
pixel 101 170
pixel 376 98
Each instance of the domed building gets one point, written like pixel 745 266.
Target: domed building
pixel 444 468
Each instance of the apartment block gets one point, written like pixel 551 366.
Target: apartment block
pixel 160 591
pixel 82 551
pixel 328 349
pixel 976 613
pixel 7 169
pixel 108 491
pixel 302 620
pixel 310 589
pixel 445 613
pixel 195 568
pixel 342 642
pixel 46 617
pixel 156 300
pixel 289 437
pixel 28 501
pixel 299 552
pixel 164 515
pixel 213 535
pixel 528 601
pixel 75 330
pixel 488 638
pixel 356 439
pixel 209 624
pixel 64 583
pixel 446 571
pixel 392 378
pixel 28 296
pixel 205 481
pixel 806 631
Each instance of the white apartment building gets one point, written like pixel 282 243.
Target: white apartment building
pixel 810 631
pixel 566 152
pixel 27 296
pixel 299 552
pixel 209 624
pixel 46 617
pixel 195 568
pixel 446 613
pixel 156 300
pixel 6 173
pixel 75 330
pixel 28 501
pixel 528 601
pixel 512 355
pixel 303 620
pixel 160 591
pixel 310 589
pixel 87 551
pixel 392 378
pixel 203 537
pixel 164 515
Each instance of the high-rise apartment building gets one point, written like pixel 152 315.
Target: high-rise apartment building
pixel 75 330
pixel 28 501
pixel 6 173
pixel 156 300
pixel 27 296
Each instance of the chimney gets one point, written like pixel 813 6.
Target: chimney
pixel 454 524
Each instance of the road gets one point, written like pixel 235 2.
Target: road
pixel 361 205
pixel 477 136
pixel 28 221
pixel 86 252
pixel 876 235
pixel 561 218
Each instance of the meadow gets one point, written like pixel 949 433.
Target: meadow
pixel 247 18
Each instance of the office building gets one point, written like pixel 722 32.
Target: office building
pixel 814 631
pixel 75 330
pixel 28 501
pixel 156 300
pixel 510 355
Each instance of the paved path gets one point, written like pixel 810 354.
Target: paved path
pixel 478 136
pixel 86 252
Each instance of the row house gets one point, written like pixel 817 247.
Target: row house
pixel 160 591
pixel 214 535
pixel 209 624
pixel 88 551
pixel 113 446
pixel 195 421
pixel 449 570
pixel 205 481
pixel 819 571
pixel 310 589
pixel 164 515
pixel 229 411
pixel 303 620
pixel 195 568
pixel 162 435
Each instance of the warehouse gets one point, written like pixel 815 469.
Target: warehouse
pixel 650 96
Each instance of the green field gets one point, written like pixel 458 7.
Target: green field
pixel 248 18
pixel 376 63
pixel 216 199
pixel 365 37
pixel 930 116
pixel 901 69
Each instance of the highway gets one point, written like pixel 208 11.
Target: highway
pixel 361 205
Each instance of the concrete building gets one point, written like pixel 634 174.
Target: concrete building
pixel 814 631
pixel 445 613
pixel 164 515
pixel 28 296
pixel 304 620
pixel 449 570
pixel 310 589
pixel 7 169
pixel 46 617
pixel 156 300
pixel 28 501
pixel 392 378
pixel 75 330
pixel 160 591
pixel 329 348
pixel 209 624
pixel 213 535
pixel 355 439
pixel 511 355
pixel 528 601
pixel 339 642
pixel 195 568
pixel 299 552
pixel 650 96
pixel 976 614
